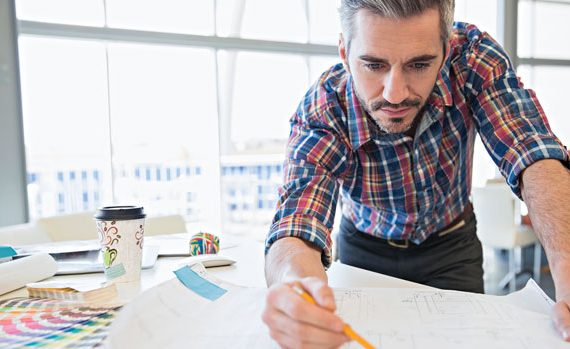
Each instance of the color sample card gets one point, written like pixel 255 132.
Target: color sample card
pixel 48 323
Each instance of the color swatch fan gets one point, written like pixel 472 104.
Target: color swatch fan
pixel 47 323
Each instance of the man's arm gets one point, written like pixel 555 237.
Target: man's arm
pixel 546 191
pixel 298 245
pixel 516 133
pixel 292 259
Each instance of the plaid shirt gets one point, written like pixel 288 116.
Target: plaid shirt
pixel 395 186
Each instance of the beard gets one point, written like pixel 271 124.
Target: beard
pixel 396 125
pixel 392 125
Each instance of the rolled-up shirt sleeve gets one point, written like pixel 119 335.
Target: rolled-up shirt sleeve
pixel 509 118
pixel 316 158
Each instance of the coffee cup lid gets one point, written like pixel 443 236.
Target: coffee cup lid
pixel 120 213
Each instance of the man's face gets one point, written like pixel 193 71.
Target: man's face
pixel 394 64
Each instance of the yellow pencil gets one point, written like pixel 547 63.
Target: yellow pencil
pixel 347 329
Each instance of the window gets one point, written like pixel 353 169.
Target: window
pixel 548 82
pixel 64 103
pixel 324 26
pixel 318 65
pixel 482 13
pixel 542 29
pixel 545 58
pixel 174 16
pixel 264 90
pixel 163 114
pixel 173 115
pixel 84 12
pixel 178 126
pixel 281 20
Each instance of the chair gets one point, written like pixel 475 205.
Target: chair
pixel 74 226
pixel 497 209
pixel 169 224
pixel 22 234
pixel 81 226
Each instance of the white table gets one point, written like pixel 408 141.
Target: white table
pixel 247 271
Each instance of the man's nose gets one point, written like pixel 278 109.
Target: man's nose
pixel 395 87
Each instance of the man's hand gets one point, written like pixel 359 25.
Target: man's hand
pixel 295 323
pixel 561 318
pixel 561 311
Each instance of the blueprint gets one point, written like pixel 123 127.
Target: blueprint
pixel 414 319
pixel 171 315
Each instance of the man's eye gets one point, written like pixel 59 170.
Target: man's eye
pixel 419 66
pixel 373 66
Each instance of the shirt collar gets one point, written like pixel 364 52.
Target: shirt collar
pixel 361 128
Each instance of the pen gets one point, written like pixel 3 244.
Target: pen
pixel 347 329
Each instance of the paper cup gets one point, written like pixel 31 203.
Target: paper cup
pixel 121 234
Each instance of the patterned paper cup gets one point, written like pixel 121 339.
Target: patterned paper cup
pixel 121 234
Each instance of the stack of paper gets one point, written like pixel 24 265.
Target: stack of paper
pixel 78 292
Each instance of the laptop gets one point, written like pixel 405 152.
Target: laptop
pixel 81 257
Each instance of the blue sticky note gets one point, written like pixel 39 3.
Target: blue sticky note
pixel 198 284
pixel 115 271
pixel 7 251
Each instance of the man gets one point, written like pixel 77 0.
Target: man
pixel 393 128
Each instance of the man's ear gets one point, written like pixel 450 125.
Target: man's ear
pixel 343 52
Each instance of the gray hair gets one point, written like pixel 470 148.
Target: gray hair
pixel 396 9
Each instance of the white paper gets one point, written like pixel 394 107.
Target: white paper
pixel 19 272
pixel 413 319
pixel 532 298
pixel 171 316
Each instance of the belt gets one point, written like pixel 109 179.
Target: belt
pixel 450 228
